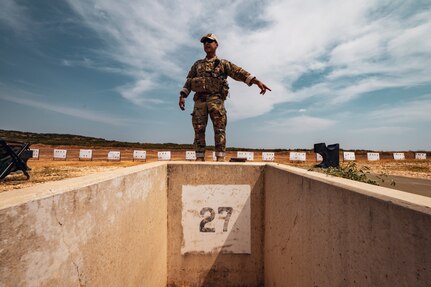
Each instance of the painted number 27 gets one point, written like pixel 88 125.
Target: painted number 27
pixel 209 214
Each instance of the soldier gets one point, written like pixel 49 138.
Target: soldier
pixel 208 79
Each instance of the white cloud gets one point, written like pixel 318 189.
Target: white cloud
pixel 391 52
pixel 142 35
pixel 77 113
pixel 363 48
pixel 366 45
pixel 133 92
pixel 66 63
pixel 245 101
pixel 14 15
pixel 356 45
pixel 299 124
pixel 147 36
pixel 412 39
pixel 90 64
pixel 417 111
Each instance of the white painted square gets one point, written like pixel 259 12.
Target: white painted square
pixel 85 154
pixel 245 154
pixel 164 155
pixel 140 154
pixel 349 155
pixel 190 155
pixel 60 153
pixel 114 155
pixel 399 156
pixel 318 157
pixel 214 156
pixel 371 156
pixel 268 156
pixel 219 233
pixel 420 155
pixel 297 156
pixel 35 152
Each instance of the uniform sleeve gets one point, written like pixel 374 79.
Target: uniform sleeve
pixel 187 88
pixel 238 73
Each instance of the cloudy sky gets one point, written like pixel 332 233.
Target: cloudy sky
pixel 356 73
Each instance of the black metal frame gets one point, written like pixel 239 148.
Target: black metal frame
pixel 19 154
pixel 330 155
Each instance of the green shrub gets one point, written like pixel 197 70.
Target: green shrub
pixel 351 171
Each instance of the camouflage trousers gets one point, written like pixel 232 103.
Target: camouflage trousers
pixel 214 106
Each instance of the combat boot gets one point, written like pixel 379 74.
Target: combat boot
pixel 220 158
pixel 200 159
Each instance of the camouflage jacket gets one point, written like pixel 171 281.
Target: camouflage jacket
pixel 209 76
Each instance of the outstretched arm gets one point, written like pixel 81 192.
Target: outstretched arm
pixel 261 86
pixel 239 74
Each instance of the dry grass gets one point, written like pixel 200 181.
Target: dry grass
pixel 410 168
pixel 49 170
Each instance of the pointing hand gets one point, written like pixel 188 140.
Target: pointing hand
pixel 261 86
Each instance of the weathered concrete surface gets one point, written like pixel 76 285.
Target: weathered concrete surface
pixel 216 269
pixel 322 231
pixel 216 218
pixel 99 230
pixel 125 228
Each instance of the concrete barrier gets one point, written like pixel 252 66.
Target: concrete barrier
pixel 213 224
pixel 324 231
pixel 215 268
pixel 101 230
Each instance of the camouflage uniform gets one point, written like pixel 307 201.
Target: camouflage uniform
pixel 208 79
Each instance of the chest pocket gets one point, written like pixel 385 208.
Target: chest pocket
pixel 209 78
pixel 199 84
pixel 204 69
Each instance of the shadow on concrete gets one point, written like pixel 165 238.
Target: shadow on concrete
pixel 244 268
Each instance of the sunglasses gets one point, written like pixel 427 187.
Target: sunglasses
pixel 208 41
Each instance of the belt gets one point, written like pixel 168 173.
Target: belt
pixel 203 96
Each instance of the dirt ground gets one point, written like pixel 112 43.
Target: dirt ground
pixel 46 169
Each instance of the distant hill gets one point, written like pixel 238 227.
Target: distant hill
pixel 77 140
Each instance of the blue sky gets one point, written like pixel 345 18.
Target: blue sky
pixel 353 72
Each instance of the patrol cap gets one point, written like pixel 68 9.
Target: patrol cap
pixel 210 36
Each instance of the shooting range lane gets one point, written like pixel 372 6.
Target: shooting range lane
pixel 295 228
pixel 217 250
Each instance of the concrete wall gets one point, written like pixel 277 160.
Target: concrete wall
pixel 215 268
pixel 100 230
pixel 127 228
pixel 322 231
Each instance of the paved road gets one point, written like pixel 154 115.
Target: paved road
pixel 414 185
